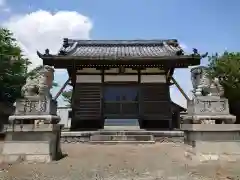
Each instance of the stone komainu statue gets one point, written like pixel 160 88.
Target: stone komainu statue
pixel 203 85
pixel 37 102
pixel 40 84
pixel 208 104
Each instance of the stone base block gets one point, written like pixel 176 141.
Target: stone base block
pixel 84 136
pixel 212 119
pixel 123 124
pixel 212 141
pixel 38 151
pixel 32 146
pixel 211 157
pixel 48 119
pixel 122 142
pixel 122 138
pixel 26 158
pixel 212 151
pixel 121 128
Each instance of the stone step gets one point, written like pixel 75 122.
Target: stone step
pixel 138 138
pixel 121 128
pixel 130 136
pixel 141 132
pixel 115 132
pixel 122 142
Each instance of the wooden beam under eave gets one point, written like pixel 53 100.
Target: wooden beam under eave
pixel 180 89
pixel 163 61
pixel 169 75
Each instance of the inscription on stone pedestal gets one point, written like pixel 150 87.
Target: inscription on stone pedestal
pixel 29 107
pixel 208 105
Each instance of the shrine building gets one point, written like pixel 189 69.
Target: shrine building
pixel 121 79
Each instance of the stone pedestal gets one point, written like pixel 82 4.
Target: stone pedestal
pixel 207 108
pixel 212 141
pixel 35 108
pixel 32 144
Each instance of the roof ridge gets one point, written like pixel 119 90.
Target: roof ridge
pixel 70 45
pixel 119 42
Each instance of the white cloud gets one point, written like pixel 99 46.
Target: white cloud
pixel 42 29
pixel 2 3
pixel 4 7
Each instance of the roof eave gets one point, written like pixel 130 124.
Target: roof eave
pixel 173 63
pixel 107 58
pixel 185 60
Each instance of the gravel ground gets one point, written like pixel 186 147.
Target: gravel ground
pixel 122 162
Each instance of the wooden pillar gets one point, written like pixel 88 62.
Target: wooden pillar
pixel 170 103
pixel 73 81
pixel 102 98
pixel 140 117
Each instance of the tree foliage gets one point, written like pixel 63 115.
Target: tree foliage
pixel 227 68
pixel 34 72
pixel 67 96
pixel 13 67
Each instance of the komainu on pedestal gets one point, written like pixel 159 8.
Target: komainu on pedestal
pixel 37 102
pixel 209 129
pixel 208 105
pixel 33 133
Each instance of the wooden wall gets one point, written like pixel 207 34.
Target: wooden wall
pixel 155 105
pixel 86 106
pixel 153 97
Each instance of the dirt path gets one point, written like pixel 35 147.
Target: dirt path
pixel 126 162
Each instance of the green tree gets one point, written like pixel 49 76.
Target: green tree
pixel 67 96
pixel 13 67
pixel 227 68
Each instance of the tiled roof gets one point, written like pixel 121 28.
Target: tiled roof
pixel 120 49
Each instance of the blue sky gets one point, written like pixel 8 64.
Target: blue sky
pixel 208 25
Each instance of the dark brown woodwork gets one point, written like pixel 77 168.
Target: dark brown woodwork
pixel 121 108
pixel 86 106
pixel 126 73
pixel 152 106
pixel 169 75
pixel 72 75
pixel 155 105
pixel 163 62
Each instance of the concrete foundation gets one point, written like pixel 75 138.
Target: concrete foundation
pixel 120 136
pixel 26 143
pixel 212 141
